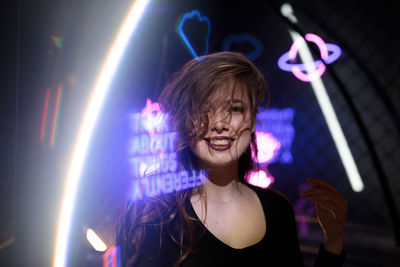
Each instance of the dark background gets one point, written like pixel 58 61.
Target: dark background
pixel 363 84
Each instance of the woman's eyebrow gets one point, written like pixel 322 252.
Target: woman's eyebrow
pixel 235 101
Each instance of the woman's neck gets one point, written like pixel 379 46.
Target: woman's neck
pixel 223 183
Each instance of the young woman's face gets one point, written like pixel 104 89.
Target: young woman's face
pixel 229 128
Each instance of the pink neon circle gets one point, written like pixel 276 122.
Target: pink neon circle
pixel 295 48
pixel 320 43
pixel 323 52
pixel 308 77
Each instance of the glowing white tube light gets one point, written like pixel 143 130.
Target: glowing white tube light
pixel 327 110
pixel 95 240
pixel 86 129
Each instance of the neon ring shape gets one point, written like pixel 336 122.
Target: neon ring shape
pixel 328 52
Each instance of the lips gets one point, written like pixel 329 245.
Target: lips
pixel 219 143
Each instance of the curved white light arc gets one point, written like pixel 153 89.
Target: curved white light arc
pixel 92 112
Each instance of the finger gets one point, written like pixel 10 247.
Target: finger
pixel 332 208
pixel 339 204
pixel 329 209
pixel 337 209
pixel 321 191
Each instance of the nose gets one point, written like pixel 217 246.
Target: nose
pixel 219 121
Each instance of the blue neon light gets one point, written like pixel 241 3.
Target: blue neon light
pixel 155 185
pixel 242 38
pixel 185 17
pixel 153 158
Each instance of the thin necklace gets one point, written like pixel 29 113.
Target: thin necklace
pixel 204 195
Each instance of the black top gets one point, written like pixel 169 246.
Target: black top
pixel 279 246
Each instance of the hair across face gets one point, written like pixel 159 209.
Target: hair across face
pixel 219 88
pixel 228 124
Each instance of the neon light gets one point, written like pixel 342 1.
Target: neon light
pixel 44 118
pixel 287 11
pixel 153 117
pixel 185 17
pixel 166 183
pixel 329 53
pixel 89 120
pixel 56 117
pixel 331 120
pixel 278 123
pixel 242 38
pixel 261 179
pixel 310 76
pixel 112 257
pixel 293 53
pixel 153 163
pixel 150 108
pixel 327 108
pixel 320 43
pixel 150 144
pixel 95 240
pixel 268 147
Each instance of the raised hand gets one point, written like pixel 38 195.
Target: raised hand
pixel 331 210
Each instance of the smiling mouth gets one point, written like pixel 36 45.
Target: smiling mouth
pixel 219 143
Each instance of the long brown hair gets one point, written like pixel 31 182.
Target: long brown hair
pixel 183 100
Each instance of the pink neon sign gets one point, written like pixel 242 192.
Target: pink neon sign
pixel 328 52
pixel 268 146
pixel 261 179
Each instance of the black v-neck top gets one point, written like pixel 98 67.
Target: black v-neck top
pixel 278 247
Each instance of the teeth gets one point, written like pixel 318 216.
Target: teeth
pixel 220 142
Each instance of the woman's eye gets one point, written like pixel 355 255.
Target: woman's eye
pixel 237 109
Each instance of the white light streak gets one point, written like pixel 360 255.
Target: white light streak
pixel 330 117
pixel 95 240
pixel 86 129
pixel 326 107
pixel 287 11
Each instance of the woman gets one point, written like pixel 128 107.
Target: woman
pixel 212 105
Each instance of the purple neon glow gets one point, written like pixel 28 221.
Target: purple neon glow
pixel 329 53
pixel 261 179
pixel 268 147
pixel 153 116
pixel 336 52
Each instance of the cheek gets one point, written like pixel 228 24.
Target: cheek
pixel 244 141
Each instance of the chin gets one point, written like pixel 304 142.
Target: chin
pixel 220 163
